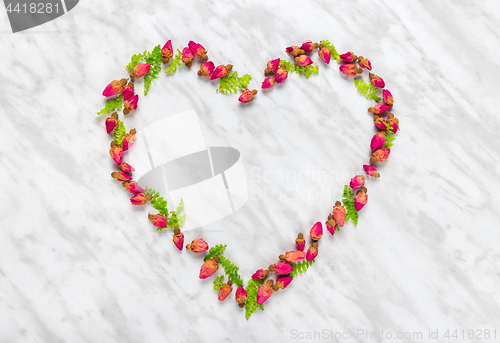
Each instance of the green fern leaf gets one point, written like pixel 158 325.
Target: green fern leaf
pixel 176 61
pixel 218 282
pixel 112 105
pixel 389 136
pixel 301 267
pixel 231 270
pixel 231 83
pixel 120 133
pixel 348 202
pixel 367 90
pixel 215 251
pixel 155 60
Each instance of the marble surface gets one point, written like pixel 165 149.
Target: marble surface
pixel 77 264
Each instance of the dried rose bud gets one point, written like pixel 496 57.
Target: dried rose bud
pixel 187 56
pixel 331 225
pixel 198 245
pixel 364 63
pixel 209 268
pixel 158 220
pixel 303 60
pixel 308 46
pixel 121 176
pixel 300 241
pixel 268 82
pixel 360 200
pixel 312 252
pixel 224 291
pixel 281 75
pixel 140 70
pixel 294 256
pixel 247 95
pixel 220 72
pixel 379 123
pixel 371 171
pixel 111 122
pixel 241 296
pixel 316 231
pixel 116 153
pixel 357 182
pixel 394 122
pixel 281 268
pixel 294 50
pixel 350 69
pixel 167 52
pixel 272 65
pixel 115 87
pixel 349 57
pixel 206 69
pixel 198 50
pixel 377 81
pixel 283 282
pixel 130 104
pixel 126 167
pixel 378 140
pixel 325 54
pixel 339 213
pixel 133 187
pixel 265 291
pixel 140 199
pixel 260 274
pixel 388 99
pixel 380 155
pixel 178 238
pixel 129 140
pixel 379 108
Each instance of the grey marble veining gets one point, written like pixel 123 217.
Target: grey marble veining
pixel 77 264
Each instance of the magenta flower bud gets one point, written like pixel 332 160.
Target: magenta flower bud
pixel 187 56
pixel 360 200
pixel 247 95
pixel 380 155
pixel 316 231
pixel 224 291
pixel 268 82
pixel 133 187
pixel 377 81
pixel 357 182
pixel 294 256
pixel 126 167
pixel 265 291
pixel 178 240
pixel 388 99
pixel 260 274
pixel 140 69
pixel 281 75
pixel 209 268
pixel 300 242
pixel 308 46
pixel 140 199
pixel 241 296
pixel 339 213
pixel 131 104
pixel 198 245
pixel 349 57
pixel 371 171
pixel 283 282
pixel 331 225
pixel 206 69
pixel 312 252
pixel 282 268
pixel 380 123
pixel 158 220
pixel 111 122
pixel 121 176
pixel 378 141
pixel 114 88
pixel 128 91
pixel 198 50
pixel 379 108
pixel 303 60
pixel 294 50
pixel 273 64
pixel 350 69
pixel 325 54
pixel 167 52
pixel 219 72
pixel 364 63
pixel 129 140
pixel 116 154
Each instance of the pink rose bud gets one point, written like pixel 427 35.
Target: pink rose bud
pixel 198 245
pixel 187 56
pixel 300 242
pixel 316 231
pixel 133 187
pixel 178 238
pixel 377 81
pixel 339 213
pixel 115 87
pixel 312 252
pixel 283 282
pixel 111 122
pixel 265 291
pixel 260 274
pixel 357 182
pixel 140 69
pixel 371 171
pixel 247 95
pixel 380 155
pixel 293 256
pixel 273 64
pixel 388 99
pixel 121 176
pixel 394 122
pixel 206 69
pixel 158 220
pixel 281 75
pixel 209 268
pixel 198 50
pixel 294 50
pixel 378 141
pixel 116 153
pixel 131 104
pixel 241 296
pixel 349 57
pixel 140 199
pixel 129 140
pixel 379 108
pixel 364 63
pixel 350 69
pixel 268 82
pixel 281 268
pixel 379 123
pixel 128 91
pixel 360 200
pixel 303 60
pixel 224 291
pixel 331 225
pixel 126 167
pixel 325 54
pixel 220 72
pixel 167 52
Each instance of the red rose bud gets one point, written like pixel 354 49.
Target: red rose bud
pixel 158 220
pixel 350 69
pixel 357 182
pixel 378 141
pixel 225 290
pixel 198 50
pixel 364 63
pixel 325 54
pixel 316 231
pixel 140 69
pixel 178 238
pixel 380 155
pixel 387 96
pixel 380 122
pixel 281 268
pixel 377 81
pixel 283 282
pixel 206 69
pixel 265 291
pixel 116 153
pixel 187 56
pixel 371 171
pixel 303 60
pixel 121 176
pixel 241 296
pixel 268 82
pixel 281 75
pixel 331 225
pixel 312 252
pixel 126 167
pixel 394 122
pixel 111 122
pixel 293 256
pixel 339 213
pixel 349 57
pixel 260 274
pixel 140 199
pixel 300 242
pixel 131 104
pixel 133 187
pixel 209 268
pixel 308 46
pixel 247 95
pixel 115 87
pixel 198 245
pixel 379 108
pixel 273 64
pixel 294 50
pixel 128 91
pixel 221 71
pixel 360 200
pixel 129 140
pixel 167 52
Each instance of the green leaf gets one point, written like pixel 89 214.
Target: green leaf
pixel 135 59
pixel 215 251
pixel 176 61
pixel 367 90
pixel 348 202
pixel 155 60
pixel 307 71
pixel 218 282
pixel 231 83
pixel 301 267
pixel 335 54
pixel 389 136
pixel 231 270
pixel 112 105
pixel 252 289
pixel 120 133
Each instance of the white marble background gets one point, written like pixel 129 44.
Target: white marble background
pixel 77 264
